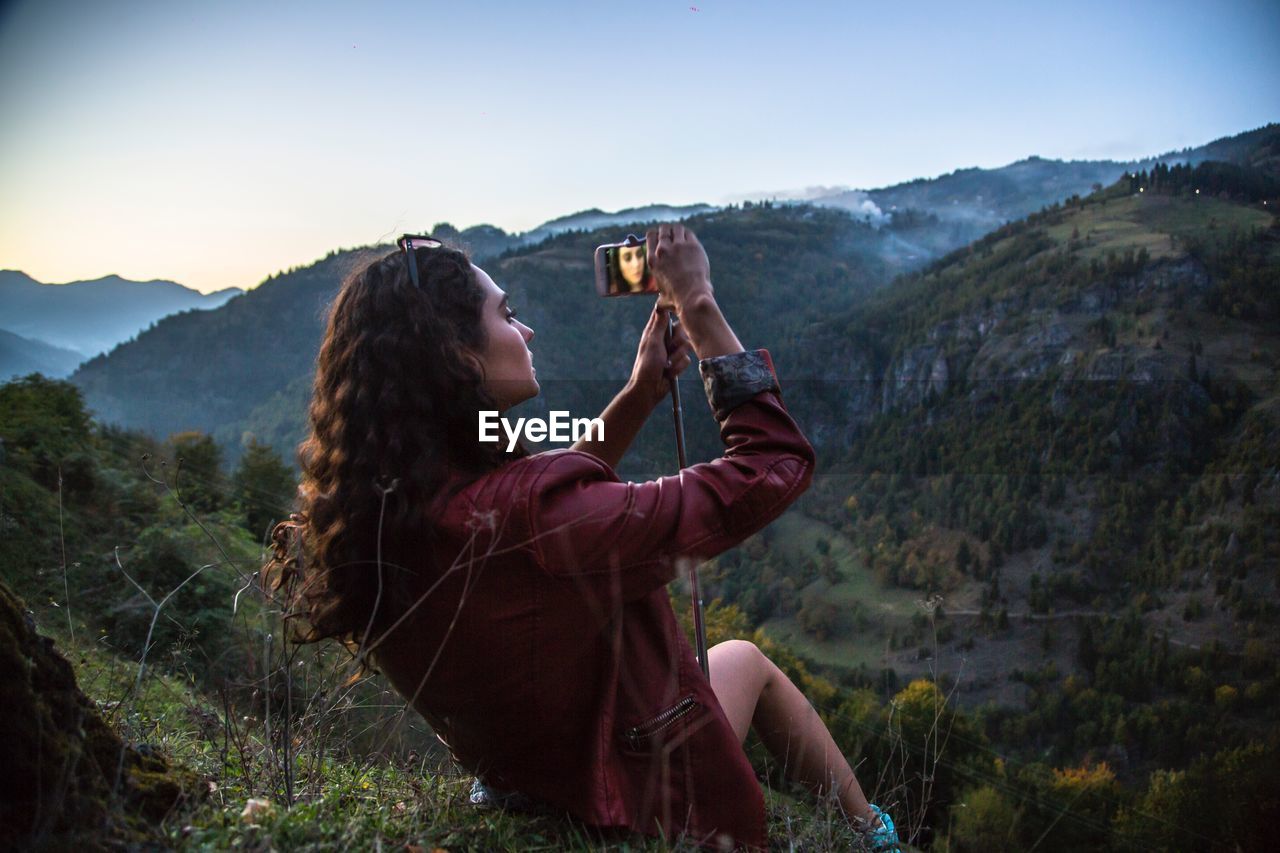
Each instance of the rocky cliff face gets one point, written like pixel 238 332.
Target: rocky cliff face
pixel 1031 337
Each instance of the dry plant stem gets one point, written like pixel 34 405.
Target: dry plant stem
pixel 62 539
pixel 362 653
pixel 754 692
pixel 936 739
pixel 288 729
pixel 146 646
pixel 269 741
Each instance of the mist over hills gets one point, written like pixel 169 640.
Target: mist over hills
pixel 91 317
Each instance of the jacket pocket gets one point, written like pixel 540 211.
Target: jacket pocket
pixel 645 735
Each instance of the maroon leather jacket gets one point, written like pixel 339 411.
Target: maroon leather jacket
pixel 545 653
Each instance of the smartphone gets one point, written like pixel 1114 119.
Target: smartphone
pixel 622 269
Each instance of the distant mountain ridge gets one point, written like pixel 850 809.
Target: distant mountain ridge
pixel 486 241
pixel 20 356
pixel 92 317
pixel 590 220
pixel 250 347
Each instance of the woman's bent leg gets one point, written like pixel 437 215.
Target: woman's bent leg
pixel 753 691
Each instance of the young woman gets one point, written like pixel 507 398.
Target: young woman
pixel 518 601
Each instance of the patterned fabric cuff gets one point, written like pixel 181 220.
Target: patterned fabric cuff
pixel 731 380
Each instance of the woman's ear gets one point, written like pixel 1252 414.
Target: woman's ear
pixel 472 360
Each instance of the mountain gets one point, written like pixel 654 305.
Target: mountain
pixel 1075 417
pixel 20 356
pixel 91 317
pixel 1041 550
pixel 937 215
pixel 486 241
pixel 596 219
pixel 247 365
pixel 207 369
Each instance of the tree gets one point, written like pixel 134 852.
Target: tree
pixel 264 487
pixel 198 477
pixel 1231 798
pixel 984 820
pixel 818 614
pixel 45 428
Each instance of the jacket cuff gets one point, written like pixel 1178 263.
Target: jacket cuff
pixel 731 380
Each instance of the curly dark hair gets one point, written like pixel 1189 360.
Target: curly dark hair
pixel 393 415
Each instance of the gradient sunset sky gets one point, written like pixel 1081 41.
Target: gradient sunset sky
pixel 214 143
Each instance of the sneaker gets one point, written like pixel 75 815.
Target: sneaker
pixel 490 797
pixel 882 838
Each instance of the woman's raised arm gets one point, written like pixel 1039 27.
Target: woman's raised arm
pixel 621 540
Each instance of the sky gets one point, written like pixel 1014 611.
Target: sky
pixel 216 143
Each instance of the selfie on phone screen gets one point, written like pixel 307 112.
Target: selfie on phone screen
pixel 633 269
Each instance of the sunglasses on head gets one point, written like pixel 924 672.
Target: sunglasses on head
pixel 409 242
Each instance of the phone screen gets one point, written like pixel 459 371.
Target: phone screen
pixel 629 270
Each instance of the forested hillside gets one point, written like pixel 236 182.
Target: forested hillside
pixel 1065 441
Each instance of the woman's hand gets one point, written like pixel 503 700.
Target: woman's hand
pixel 683 272
pixel 680 265
pixel 658 360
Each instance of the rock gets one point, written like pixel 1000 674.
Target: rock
pixel 69 781
pixel 1109 366
pixel 1268 488
pixel 909 380
pixel 1060 400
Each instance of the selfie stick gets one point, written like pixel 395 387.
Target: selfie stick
pixel 695 593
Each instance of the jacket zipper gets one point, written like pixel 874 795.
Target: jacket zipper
pixel 636 735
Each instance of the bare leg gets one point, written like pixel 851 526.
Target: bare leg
pixel 753 691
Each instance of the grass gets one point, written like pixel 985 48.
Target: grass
pixel 1154 223
pixel 278 724
pixel 879 609
pixel 795 537
pixel 343 795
